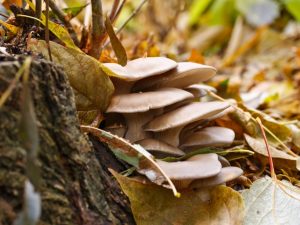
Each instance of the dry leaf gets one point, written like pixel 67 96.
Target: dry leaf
pixel 92 87
pixel 116 44
pixel 281 158
pixel 135 155
pixel 154 205
pixel 268 202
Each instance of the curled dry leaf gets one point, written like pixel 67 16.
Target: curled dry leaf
pixel 92 87
pixel 133 154
pixel 281 158
pixel 154 205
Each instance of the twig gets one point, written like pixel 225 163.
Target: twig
pixel 63 18
pixel 38 10
pixel 125 22
pixel 98 28
pixel 114 9
pixel 118 11
pixel 47 35
pixel 2 14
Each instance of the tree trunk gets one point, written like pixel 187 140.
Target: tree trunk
pixel 76 187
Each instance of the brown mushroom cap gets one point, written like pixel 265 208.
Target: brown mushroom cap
pixel 209 136
pixel 145 101
pixel 226 174
pixel 159 146
pixel 185 74
pixel 185 115
pixel 141 68
pixel 196 167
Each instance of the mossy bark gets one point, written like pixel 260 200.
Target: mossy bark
pixel 76 187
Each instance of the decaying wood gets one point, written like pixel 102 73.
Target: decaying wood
pixel 76 186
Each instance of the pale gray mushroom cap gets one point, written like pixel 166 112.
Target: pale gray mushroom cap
pixel 159 146
pixel 145 101
pixel 141 68
pixel 185 115
pixel 209 136
pixel 227 174
pixel 185 74
pixel 197 167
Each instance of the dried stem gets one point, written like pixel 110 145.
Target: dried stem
pixel 63 18
pixel 98 28
pixel 267 147
pixel 114 9
pixel 128 19
pixel 47 34
pixel 38 10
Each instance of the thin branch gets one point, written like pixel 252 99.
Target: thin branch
pixel 118 11
pixel 126 22
pixel 114 9
pixel 63 18
pixel 98 28
pixel 38 10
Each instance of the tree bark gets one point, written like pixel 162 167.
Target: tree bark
pixel 76 187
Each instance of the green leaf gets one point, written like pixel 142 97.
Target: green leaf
pixel 196 10
pixel 115 43
pixel 92 87
pixel 154 205
pixel 74 11
pixel 272 202
pixel 293 6
pixel 222 12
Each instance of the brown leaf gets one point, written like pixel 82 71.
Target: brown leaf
pixel 116 44
pixel 92 87
pixel 154 205
pixel 281 158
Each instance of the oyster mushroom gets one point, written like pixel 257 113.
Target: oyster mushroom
pixel 137 108
pixel 124 77
pixel 171 123
pixel 227 174
pixel 209 136
pixel 196 167
pixel 185 74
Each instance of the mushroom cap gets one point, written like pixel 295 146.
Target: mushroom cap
pixel 185 74
pixel 159 146
pixel 141 68
pixel 209 136
pixel 226 174
pixel 144 101
pixel 197 167
pixel 185 115
pixel 199 90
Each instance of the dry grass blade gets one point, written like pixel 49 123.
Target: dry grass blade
pixel 115 43
pixel 146 164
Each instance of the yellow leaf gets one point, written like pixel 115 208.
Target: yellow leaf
pixel 154 205
pixel 10 27
pixel 59 31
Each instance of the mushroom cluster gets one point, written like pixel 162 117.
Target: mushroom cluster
pixel 161 105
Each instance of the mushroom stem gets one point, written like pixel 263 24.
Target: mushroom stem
pixel 170 136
